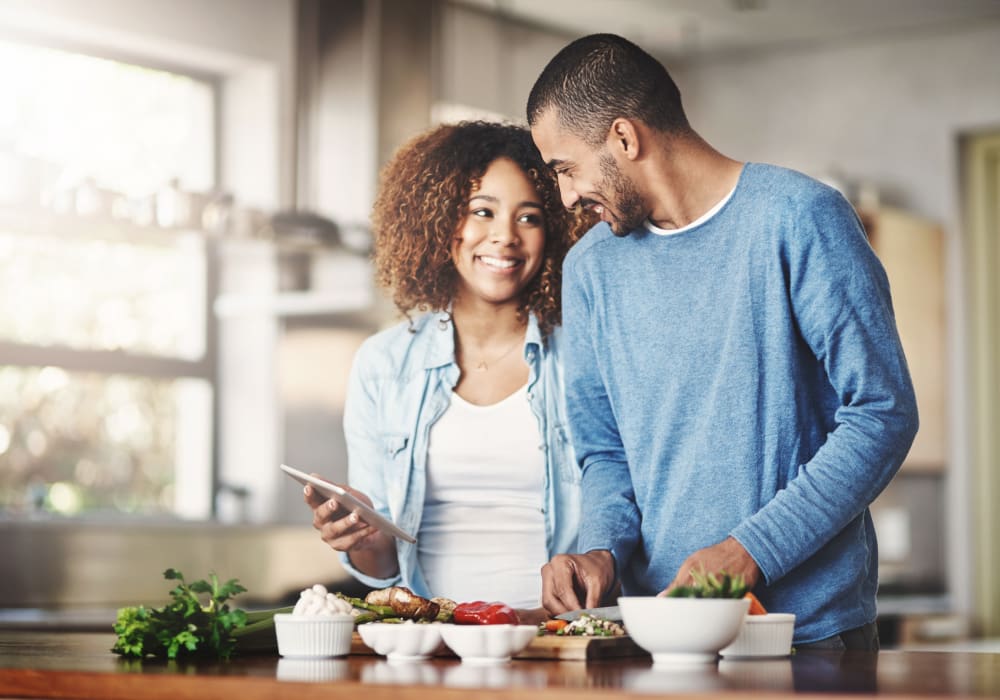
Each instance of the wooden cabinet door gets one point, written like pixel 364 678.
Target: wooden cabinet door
pixel 912 251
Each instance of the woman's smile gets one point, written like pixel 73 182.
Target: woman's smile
pixel 502 265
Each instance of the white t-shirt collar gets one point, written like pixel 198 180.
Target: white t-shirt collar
pixel 653 228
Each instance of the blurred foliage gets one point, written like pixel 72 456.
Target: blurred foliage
pixel 85 443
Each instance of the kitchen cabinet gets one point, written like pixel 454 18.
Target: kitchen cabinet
pixel 912 251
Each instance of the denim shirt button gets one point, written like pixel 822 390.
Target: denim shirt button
pixel 543 447
pixel 530 396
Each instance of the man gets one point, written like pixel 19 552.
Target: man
pixel 737 391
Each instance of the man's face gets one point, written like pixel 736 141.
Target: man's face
pixel 589 177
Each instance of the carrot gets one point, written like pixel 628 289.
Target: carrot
pixel 755 606
pixel 555 625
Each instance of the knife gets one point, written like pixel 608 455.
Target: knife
pixel 612 612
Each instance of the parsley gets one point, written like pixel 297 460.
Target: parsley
pixel 184 627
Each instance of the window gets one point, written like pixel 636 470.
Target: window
pixel 106 344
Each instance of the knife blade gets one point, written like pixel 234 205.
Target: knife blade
pixel 612 612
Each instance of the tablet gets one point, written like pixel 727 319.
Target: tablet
pixel 346 500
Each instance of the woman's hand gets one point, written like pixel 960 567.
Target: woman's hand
pixel 371 551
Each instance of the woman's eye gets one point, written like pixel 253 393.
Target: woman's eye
pixel 531 219
pixel 482 213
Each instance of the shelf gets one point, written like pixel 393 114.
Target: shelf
pixel 285 304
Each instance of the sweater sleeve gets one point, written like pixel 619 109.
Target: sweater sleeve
pixel 840 299
pixel 610 516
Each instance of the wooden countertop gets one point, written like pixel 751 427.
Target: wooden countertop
pixel 79 665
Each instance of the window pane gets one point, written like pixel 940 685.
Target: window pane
pixel 104 294
pixel 129 128
pixel 73 444
pixel 92 153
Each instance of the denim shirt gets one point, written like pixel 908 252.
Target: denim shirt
pixel 399 385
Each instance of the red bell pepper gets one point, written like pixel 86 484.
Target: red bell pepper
pixel 482 613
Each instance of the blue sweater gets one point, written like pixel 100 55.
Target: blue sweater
pixel 743 377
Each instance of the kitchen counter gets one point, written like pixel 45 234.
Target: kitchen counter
pixel 48 664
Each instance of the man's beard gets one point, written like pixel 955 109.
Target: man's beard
pixel 626 208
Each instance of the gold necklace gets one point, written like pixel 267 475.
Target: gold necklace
pixel 483 366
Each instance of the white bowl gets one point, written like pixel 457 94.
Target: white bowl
pixel 487 644
pixel 683 630
pixel 402 641
pixel 313 635
pixel 763 635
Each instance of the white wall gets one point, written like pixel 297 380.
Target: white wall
pixel 489 64
pixel 886 111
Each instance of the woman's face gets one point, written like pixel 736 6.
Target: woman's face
pixel 500 243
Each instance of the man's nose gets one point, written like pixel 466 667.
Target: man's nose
pixel 567 193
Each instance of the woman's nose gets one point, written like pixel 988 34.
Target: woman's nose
pixel 503 233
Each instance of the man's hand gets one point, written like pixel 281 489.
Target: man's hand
pixel 568 578
pixel 728 555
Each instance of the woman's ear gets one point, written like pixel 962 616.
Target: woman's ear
pixel 623 137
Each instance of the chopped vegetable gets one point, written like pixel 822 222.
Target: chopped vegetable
pixel 399 603
pixel 446 609
pixel 709 585
pixel 402 602
pixel 482 613
pixel 756 608
pixel 185 626
pixel 587 625
pixel 553 625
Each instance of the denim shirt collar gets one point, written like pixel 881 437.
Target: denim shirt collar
pixel 440 351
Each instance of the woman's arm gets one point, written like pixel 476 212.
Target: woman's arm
pixel 367 554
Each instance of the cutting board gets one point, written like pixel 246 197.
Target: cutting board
pixel 551 647
pixel 580 648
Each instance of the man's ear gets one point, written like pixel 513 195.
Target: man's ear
pixel 623 138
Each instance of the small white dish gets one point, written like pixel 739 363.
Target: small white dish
pixel 683 631
pixel 487 644
pixel 313 636
pixel 402 641
pixel 767 635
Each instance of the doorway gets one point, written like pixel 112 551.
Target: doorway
pixel 981 180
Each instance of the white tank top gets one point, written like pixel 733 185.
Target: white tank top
pixel 482 534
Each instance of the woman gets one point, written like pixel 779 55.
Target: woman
pixel 455 419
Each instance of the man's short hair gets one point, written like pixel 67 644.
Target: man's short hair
pixel 598 78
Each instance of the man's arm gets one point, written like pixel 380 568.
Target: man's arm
pixel 840 297
pixel 612 518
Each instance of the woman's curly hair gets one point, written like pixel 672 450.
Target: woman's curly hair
pixel 423 199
